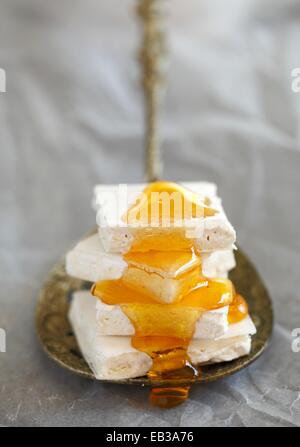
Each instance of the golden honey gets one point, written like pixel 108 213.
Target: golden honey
pixel 163 331
pixel 150 318
pixel 167 202
pixel 164 276
pixel 171 264
pixel 155 322
pixel 169 397
pixel 238 310
pixel 159 216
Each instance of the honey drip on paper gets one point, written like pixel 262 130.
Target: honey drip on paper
pixel 163 331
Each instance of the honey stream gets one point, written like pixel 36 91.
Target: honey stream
pixel 163 331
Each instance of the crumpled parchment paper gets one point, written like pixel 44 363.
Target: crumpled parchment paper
pixel 72 117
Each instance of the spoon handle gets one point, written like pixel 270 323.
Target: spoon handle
pixel 153 59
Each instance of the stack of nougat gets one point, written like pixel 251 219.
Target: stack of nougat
pixel 148 284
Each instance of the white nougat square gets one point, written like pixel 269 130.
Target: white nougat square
pixel 209 233
pixel 88 261
pixel 113 357
pixel 113 321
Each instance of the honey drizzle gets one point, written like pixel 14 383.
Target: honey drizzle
pixel 147 270
pixel 183 204
pixel 238 310
pixel 159 214
pixel 154 322
pixel 169 397
pixel 170 264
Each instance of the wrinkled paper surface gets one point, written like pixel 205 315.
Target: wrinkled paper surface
pixel 72 117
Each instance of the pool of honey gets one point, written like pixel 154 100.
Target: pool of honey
pixel 163 331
